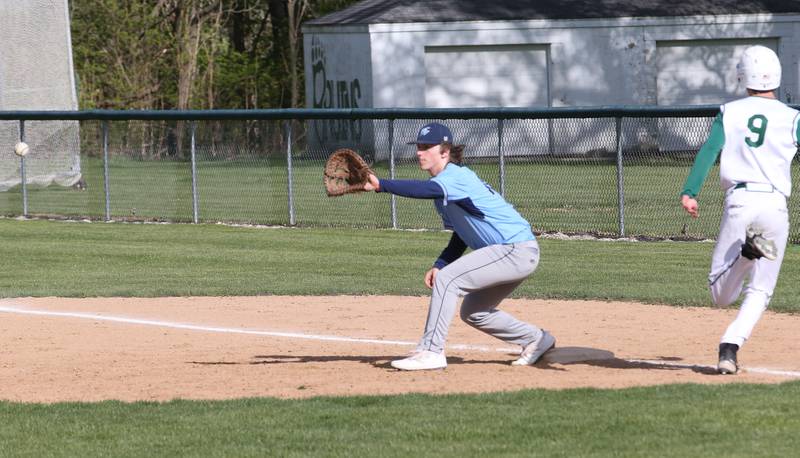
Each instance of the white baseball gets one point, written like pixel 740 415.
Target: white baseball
pixel 21 149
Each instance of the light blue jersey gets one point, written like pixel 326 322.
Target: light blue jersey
pixel 478 214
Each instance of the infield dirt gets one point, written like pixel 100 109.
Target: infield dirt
pixel 134 349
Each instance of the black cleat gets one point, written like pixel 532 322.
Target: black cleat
pixel 755 246
pixel 727 358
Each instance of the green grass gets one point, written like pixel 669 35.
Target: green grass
pixel 44 258
pixel 678 420
pixel 114 259
pixel 555 195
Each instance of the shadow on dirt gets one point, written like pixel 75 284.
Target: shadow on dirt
pixel 566 356
pixel 556 359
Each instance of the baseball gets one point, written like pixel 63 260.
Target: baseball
pixel 21 149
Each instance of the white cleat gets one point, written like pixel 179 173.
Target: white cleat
pixel 421 361
pixel 534 350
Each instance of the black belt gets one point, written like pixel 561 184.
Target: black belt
pixel 744 185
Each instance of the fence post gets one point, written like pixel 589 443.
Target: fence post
pixel 393 200
pixel 195 207
pixel 288 127
pixel 501 157
pixel 24 181
pixel 106 190
pixel 620 178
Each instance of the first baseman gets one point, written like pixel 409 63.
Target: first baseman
pixel 755 139
pixel 504 253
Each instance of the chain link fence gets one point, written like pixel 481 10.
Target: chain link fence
pixel 614 171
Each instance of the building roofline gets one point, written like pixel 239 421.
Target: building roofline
pixel 370 12
pixel 553 23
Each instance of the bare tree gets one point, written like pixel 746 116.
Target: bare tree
pixel 297 10
pixel 188 18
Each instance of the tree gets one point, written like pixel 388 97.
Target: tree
pixel 120 59
pixel 191 54
pixel 192 21
pixel 297 10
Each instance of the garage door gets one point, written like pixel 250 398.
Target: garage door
pixel 486 76
pixel 699 72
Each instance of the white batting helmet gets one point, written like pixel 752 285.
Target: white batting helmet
pixel 759 69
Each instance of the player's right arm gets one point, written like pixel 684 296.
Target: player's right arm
pixel 703 162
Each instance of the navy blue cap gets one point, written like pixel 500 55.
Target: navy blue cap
pixel 433 134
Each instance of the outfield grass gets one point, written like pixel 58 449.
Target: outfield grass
pixel 555 195
pixel 44 258
pixel 116 259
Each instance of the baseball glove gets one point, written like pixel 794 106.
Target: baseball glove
pixel 345 172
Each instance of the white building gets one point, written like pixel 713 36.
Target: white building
pixel 540 53
pixel 518 53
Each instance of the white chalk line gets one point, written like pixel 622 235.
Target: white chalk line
pixel 294 335
pixel 755 370
pixel 195 327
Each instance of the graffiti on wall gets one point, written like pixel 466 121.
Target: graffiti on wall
pixel 332 93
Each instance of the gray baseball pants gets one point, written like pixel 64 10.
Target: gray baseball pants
pixel 484 278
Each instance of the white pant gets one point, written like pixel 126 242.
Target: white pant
pixel 730 270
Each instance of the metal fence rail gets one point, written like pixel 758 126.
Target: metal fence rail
pixel 614 171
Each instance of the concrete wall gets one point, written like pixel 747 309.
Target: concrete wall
pixel 338 68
